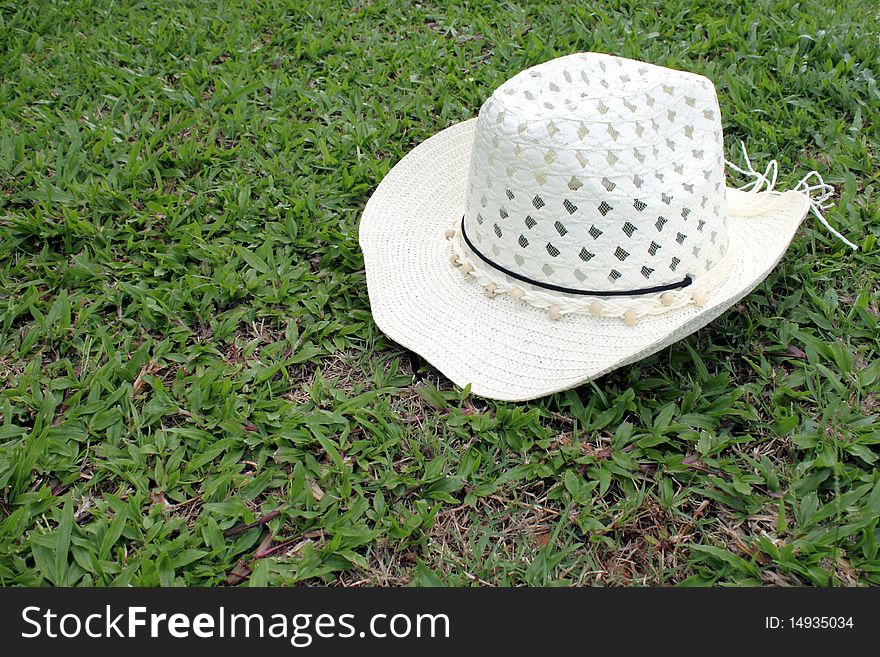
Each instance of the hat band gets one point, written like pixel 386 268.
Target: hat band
pixel 687 280
pixel 694 290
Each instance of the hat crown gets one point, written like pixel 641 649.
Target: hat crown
pixel 594 173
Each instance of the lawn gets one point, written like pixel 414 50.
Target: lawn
pixel 192 389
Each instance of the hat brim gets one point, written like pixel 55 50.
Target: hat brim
pixel 504 348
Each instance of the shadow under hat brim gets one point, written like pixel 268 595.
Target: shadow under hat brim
pixel 506 349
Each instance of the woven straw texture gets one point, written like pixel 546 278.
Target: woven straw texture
pixel 504 348
pixel 595 172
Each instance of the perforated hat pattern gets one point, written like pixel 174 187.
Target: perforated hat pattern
pixel 598 173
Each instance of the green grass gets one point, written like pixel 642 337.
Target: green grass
pixel 192 390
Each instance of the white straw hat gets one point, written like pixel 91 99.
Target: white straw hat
pixel 580 223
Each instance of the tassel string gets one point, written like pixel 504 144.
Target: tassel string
pixel 819 192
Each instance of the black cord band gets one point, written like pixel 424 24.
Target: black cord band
pixel 558 288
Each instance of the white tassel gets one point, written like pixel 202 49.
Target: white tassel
pixel 761 179
pixel 767 182
pixel 820 202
